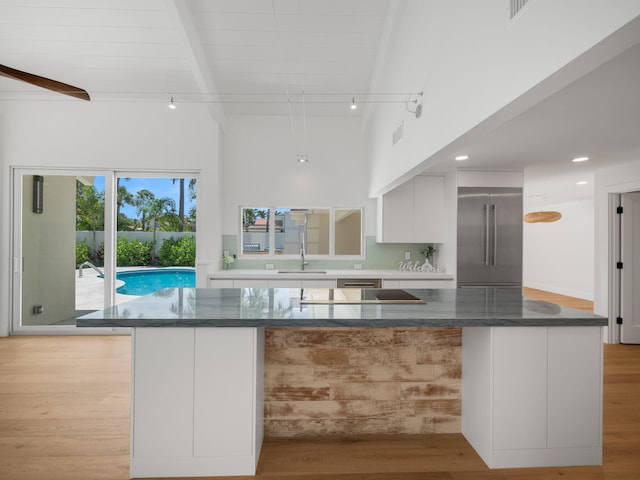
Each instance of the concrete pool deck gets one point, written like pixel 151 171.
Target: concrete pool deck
pixel 90 289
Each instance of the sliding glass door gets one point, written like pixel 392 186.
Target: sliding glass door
pixel 74 231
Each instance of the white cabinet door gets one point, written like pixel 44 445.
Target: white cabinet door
pixel 220 283
pixel 162 392
pixel 575 387
pixel 224 412
pixel 520 388
pixel 418 284
pixel 249 283
pixel 285 283
pixel 428 213
pixel 413 212
pixel 317 283
pixel 396 217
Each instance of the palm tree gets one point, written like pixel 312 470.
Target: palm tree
pixel 181 198
pixel 158 207
pixel 124 197
pixel 181 203
pixel 142 202
pixel 89 210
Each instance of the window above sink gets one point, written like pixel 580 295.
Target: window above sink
pixel 283 231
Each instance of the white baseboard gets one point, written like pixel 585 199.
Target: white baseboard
pixel 560 290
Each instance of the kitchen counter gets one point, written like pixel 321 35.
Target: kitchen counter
pixel 312 273
pixel 530 372
pixel 282 307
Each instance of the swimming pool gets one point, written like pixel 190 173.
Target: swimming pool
pixel 142 282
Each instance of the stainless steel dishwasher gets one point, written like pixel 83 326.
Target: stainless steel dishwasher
pixel 359 283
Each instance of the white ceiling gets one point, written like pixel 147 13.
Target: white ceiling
pixel 250 56
pixel 597 115
pixel 199 50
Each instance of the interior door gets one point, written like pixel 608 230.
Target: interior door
pixel 630 307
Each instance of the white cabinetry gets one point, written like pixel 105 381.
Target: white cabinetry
pixel 272 283
pixel 422 283
pixel 413 212
pixel 533 395
pixel 197 401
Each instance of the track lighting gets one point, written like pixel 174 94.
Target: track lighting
pixel 303 158
pixel 418 111
pixel 172 104
pixel 353 105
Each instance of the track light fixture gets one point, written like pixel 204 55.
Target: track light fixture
pixel 418 111
pixel 353 105
pixel 172 104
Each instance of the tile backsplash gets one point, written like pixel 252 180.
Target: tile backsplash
pixel 378 256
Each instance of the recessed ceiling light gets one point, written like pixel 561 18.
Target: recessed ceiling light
pixel 462 157
pixel 580 159
pixel 582 182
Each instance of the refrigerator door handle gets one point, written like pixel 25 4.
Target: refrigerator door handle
pixel 495 234
pixel 486 235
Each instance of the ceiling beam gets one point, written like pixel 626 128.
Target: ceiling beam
pixel 183 21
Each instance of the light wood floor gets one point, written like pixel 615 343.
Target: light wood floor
pixel 64 415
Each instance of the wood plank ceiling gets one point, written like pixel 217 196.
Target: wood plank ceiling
pixel 240 56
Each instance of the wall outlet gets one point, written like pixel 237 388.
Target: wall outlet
pixel 269 266
pixel 407 255
pixel 357 266
pixel 37 309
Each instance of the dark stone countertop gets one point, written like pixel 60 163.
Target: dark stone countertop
pixel 281 307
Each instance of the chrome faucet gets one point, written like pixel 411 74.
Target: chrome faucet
pixel 302 262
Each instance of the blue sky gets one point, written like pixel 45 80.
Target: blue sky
pixel 161 187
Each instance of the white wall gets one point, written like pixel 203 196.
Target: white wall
pixel 124 136
pixel 260 167
pixel 471 63
pixel 558 256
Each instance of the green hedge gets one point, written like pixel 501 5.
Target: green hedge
pixel 82 252
pixel 133 252
pixel 178 253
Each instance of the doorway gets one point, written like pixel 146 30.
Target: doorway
pixel 628 267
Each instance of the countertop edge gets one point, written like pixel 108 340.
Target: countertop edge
pixel 330 275
pixel 337 323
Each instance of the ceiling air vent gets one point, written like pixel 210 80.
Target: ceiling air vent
pixel 515 6
pixel 398 134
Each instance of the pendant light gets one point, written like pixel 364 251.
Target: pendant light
pixel 546 217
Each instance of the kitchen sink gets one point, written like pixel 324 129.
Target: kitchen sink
pixel 296 270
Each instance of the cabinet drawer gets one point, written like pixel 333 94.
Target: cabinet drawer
pixel 418 284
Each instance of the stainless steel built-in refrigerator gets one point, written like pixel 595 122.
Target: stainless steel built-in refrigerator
pixel 489 237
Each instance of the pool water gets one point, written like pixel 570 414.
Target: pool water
pixel 143 282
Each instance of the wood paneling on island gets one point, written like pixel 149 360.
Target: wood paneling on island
pixel 352 381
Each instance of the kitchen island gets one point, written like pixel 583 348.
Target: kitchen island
pixel 531 371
